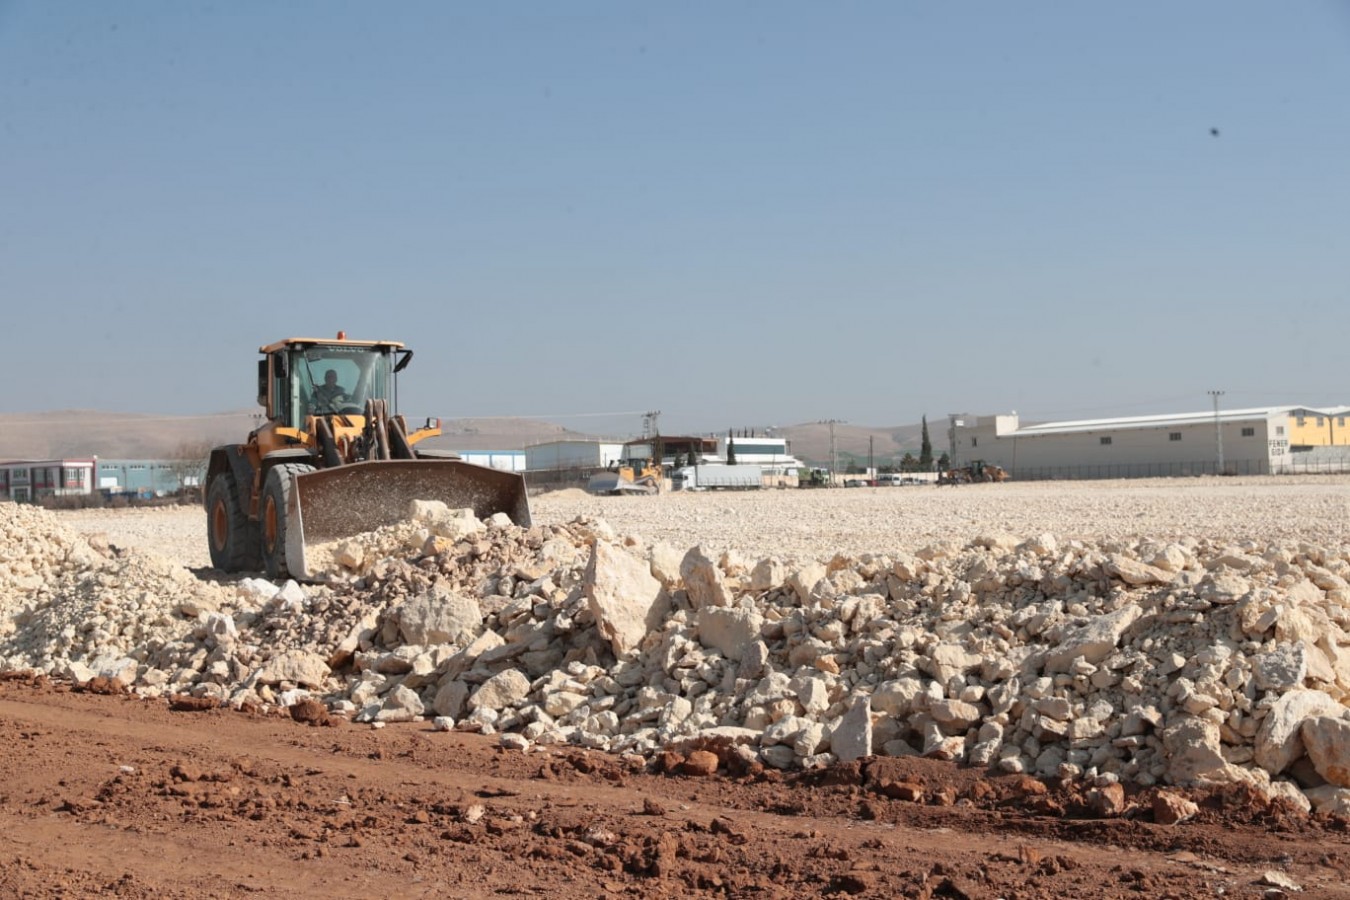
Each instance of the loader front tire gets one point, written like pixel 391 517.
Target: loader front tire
pixel 276 498
pixel 233 539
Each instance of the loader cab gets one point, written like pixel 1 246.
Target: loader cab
pixel 292 371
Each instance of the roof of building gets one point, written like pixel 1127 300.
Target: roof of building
pixel 61 461
pixel 1154 421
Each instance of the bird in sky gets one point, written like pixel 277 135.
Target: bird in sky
pixel 1214 132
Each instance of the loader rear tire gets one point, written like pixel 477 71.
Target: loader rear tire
pixel 272 516
pixel 233 539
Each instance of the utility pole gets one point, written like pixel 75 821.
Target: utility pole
pixel 834 454
pixel 871 472
pixel 1218 432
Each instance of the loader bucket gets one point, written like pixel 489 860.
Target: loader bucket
pixel 332 504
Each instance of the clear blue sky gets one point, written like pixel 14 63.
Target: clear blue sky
pixel 745 213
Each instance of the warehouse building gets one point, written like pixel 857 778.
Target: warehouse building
pixel 28 480
pixel 553 456
pixel 506 460
pixel 1264 440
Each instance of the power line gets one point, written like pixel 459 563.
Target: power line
pixel 75 414
pixel 585 415
pixel 834 455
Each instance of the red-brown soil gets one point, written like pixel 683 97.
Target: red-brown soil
pixel 103 794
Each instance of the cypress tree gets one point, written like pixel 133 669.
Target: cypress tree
pixel 925 447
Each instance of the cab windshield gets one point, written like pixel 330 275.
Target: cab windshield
pixel 331 380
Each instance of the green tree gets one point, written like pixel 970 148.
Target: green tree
pixel 692 459
pixel 925 447
pixel 908 463
pixel 944 462
pixel 731 449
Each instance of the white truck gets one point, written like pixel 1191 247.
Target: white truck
pixel 717 477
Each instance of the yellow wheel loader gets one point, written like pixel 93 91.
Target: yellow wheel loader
pixel 333 460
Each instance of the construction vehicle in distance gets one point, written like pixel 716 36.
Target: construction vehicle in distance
pixel 717 477
pixel 978 470
pixel 628 476
pixel 334 459
pixel 813 478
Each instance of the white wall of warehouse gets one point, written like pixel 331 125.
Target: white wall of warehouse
pixel 571 455
pixel 1130 446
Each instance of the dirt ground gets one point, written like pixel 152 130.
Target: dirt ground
pixel 108 795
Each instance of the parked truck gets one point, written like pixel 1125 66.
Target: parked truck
pixel 717 477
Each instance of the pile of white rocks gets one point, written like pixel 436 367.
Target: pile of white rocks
pixel 1140 661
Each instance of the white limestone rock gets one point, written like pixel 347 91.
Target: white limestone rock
pixel 899 697
pixel 814 695
pixel 1170 558
pixel 1327 741
pixel 1194 754
pixel 703 580
pixel 626 600
pixel 951 660
pixel 1132 571
pixel 954 716
pixel 1291 794
pixel 504 689
pixel 1282 669
pixel 511 741
pixel 1093 640
pixel 400 705
pixel 1279 741
pixel 1044 544
pixel 665 561
pixel 296 667
pixel 1330 800
pixel 754 660
pixel 437 617
pixel 804 580
pixel 852 738
pixel 1224 588
pixel 732 630
pixel 811 740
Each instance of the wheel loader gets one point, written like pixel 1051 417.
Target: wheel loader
pixel 977 471
pixel 333 459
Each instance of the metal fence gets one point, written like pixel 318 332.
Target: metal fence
pixel 1311 466
pixel 559 478
pixel 1319 465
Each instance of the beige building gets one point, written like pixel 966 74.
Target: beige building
pixel 1248 441
pixel 1310 428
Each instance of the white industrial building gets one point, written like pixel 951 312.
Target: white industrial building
pixel 772 454
pixel 1249 442
pixel 506 460
pixel 558 456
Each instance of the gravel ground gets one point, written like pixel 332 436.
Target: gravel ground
pixel 817 524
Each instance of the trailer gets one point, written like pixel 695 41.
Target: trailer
pixel 717 477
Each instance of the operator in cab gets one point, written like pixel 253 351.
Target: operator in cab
pixel 329 395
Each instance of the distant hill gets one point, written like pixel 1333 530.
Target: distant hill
pixel 810 442
pixel 83 433
pixel 499 434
